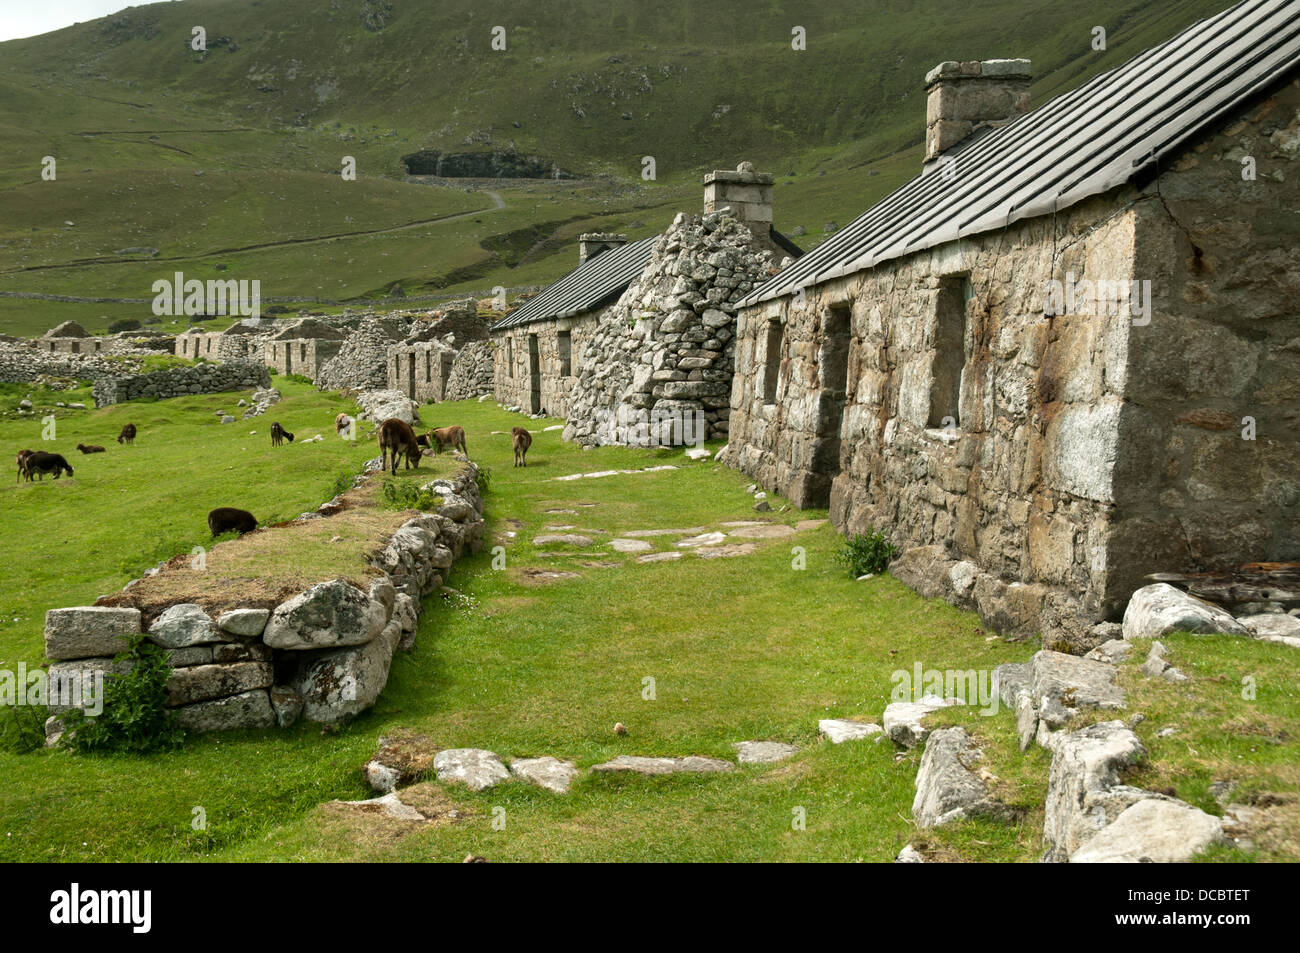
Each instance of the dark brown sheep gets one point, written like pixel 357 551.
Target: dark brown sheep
pixel 522 440
pixel 42 463
pixel 225 518
pixel 127 435
pixel 279 435
pixel 397 436
pixel 92 448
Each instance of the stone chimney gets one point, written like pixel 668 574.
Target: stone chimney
pixel 746 192
pixel 966 99
pixel 593 243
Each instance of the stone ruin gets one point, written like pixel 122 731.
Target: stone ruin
pixel 323 655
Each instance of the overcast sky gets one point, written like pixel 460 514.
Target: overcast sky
pixel 29 17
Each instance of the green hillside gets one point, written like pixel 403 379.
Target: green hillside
pixel 231 156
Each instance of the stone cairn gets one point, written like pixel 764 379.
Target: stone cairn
pixel 667 346
pixel 323 655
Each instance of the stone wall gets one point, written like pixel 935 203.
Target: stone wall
pixel 181 382
pixel 420 370
pixel 323 655
pixel 1080 452
pixel 471 372
pixel 304 356
pixel 543 385
pixel 362 362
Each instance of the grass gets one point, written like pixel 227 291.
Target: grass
pixel 739 648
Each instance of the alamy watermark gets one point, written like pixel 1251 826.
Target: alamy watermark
pixel 178 296
pixel 36 688
pixel 1098 297
pixel 967 686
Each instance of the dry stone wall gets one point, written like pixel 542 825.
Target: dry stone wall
pixel 323 655
pixel 666 350
pixel 471 372
pixel 181 382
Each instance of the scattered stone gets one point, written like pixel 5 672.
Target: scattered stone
pixel 704 539
pixel 839 730
pixel 809 524
pixel 244 623
pixel 909 855
pixel 722 552
pixel 401 759
pixel 652 766
pixel 947 787
pixel 1113 651
pixel 1060 686
pixel 390 805
pixel 762 506
pixel 697 453
pixel 562 539
pixel 473 767
pixel 630 545
pixel 1272 626
pixel 1156 666
pixel 1159 609
pixel 658 557
pixel 639 533
pixel 763 531
pixel 547 772
pixel 902 720
pixel 763 752
pixel 620 728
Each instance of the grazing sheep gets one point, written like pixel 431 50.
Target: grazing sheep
pixel 93 448
pixel 422 440
pixel 42 463
pixel 397 436
pixel 225 518
pixel 522 440
pixel 450 436
pixel 22 465
pixel 279 435
pixel 345 426
pixel 127 435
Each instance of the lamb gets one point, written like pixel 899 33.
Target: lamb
pixel 450 436
pixel 397 436
pixel 279 435
pixel 422 440
pixel 93 448
pixel 22 465
pixel 522 440
pixel 225 518
pixel 127 435
pixel 43 463
pixel 344 426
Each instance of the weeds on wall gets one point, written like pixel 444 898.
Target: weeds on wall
pixel 868 552
pixel 405 495
pixel 135 719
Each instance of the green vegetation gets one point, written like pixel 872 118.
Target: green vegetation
pixel 868 552
pixel 525 663
pixel 135 719
pixel 406 495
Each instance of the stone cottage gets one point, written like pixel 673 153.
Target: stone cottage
pixel 635 345
pixel 303 347
pixel 420 367
pixel 1068 353
pixel 235 343
pixel 70 338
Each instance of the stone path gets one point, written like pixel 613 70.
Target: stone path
pixel 605 473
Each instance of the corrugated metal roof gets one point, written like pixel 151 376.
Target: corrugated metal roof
pixel 1080 144
pixel 593 282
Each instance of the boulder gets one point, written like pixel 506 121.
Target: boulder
pixel 1273 626
pixel 902 720
pixel 184 625
pixel 1084 788
pixel 1154 830
pixel 250 709
pixel 89 631
pixel 1062 685
pixel 338 685
pixel 947 787
pixel 327 615
pixel 1159 609
pixel 547 772
pixel 473 767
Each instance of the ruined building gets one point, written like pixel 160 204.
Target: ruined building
pixel 640 336
pixel 1068 353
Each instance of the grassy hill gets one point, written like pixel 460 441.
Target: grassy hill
pixel 285 90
